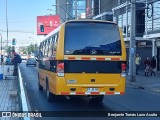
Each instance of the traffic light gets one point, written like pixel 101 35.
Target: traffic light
pixel 14 42
pixel 42 28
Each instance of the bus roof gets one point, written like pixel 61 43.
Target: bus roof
pixel 81 20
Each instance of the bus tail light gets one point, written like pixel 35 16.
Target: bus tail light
pixel 60 69
pixel 123 67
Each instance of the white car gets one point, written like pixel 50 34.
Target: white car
pixel 24 57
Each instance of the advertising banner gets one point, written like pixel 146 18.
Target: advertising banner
pixel 46 24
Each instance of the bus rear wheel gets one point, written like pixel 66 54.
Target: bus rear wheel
pixel 96 99
pixel 40 87
pixel 49 95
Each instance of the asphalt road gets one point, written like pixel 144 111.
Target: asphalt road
pixel 133 100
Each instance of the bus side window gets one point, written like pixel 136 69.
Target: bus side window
pixel 42 50
pixel 52 62
pixel 52 44
pixel 45 49
pixel 55 43
pixel 48 46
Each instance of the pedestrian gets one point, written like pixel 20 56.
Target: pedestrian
pixel 147 64
pixel 2 59
pixel 153 65
pixel 15 60
pixel 8 60
pixel 137 61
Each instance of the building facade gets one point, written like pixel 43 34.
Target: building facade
pixel 147 23
pixel 152 28
pixel 147 20
pixel 70 9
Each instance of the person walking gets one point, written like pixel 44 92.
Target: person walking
pixel 147 64
pixel 153 65
pixel 15 60
pixel 2 59
pixel 137 61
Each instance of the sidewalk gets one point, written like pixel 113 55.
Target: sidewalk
pixel 8 96
pixel 152 82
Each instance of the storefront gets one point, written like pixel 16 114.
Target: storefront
pixel 152 28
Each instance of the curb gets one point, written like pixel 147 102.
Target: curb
pixel 157 90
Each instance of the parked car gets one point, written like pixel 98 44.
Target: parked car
pixel 31 61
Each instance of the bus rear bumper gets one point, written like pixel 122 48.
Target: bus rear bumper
pixel 84 89
pixel 91 93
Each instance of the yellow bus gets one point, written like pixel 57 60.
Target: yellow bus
pixel 85 58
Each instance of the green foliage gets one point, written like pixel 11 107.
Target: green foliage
pixel 23 49
pixel 28 50
pixel 8 49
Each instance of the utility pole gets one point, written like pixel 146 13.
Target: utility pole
pixel 146 31
pixel 126 20
pixel 76 9
pixel 67 10
pixel 7 20
pixel 1 43
pixel 132 50
pixel 99 3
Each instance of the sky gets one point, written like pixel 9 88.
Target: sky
pixel 22 20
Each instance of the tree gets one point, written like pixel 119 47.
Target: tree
pixel 23 49
pixel 8 49
pixel 31 48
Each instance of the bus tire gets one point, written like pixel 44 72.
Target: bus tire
pixel 49 95
pixel 96 99
pixel 39 86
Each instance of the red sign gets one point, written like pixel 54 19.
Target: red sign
pixel 46 24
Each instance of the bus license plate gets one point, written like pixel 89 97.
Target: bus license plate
pixel 92 89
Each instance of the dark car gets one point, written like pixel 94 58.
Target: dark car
pixel 31 61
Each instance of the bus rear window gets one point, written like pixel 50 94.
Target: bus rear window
pixel 87 38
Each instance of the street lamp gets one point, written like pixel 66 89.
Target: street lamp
pixel 33 39
pixel 56 13
pixel 36 36
pixel 52 10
